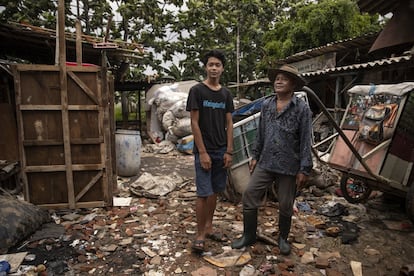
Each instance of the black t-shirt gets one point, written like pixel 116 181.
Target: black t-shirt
pixel 212 106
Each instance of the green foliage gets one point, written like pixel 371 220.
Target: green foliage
pixel 94 16
pixel 217 24
pixel 37 13
pixel 258 32
pixel 318 23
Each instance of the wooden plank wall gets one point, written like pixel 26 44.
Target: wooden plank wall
pixel 65 135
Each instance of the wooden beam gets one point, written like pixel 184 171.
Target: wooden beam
pixel 89 204
pixel 93 181
pixel 20 132
pixel 84 87
pixel 106 153
pixel 63 168
pixel 54 107
pixel 64 102
pixel 78 43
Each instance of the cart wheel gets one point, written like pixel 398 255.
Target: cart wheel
pixel 409 203
pixel 354 189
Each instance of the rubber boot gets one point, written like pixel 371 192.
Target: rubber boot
pixel 249 232
pixel 284 229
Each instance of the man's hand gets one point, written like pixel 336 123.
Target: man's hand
pixel 205 161
pixel 252 165
pixel 228 158
pixel 300 181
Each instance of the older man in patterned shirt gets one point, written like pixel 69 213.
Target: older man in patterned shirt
pixel 282 153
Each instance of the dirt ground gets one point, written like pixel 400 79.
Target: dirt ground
pixel 153 235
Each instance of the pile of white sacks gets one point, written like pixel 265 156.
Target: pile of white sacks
pixel 167 118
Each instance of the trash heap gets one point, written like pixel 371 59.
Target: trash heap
pixel 149 232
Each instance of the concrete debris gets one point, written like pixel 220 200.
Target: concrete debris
pixel 371 251
pixel 152 233
pixel 249 270
pixel 321 263
pixel 307 258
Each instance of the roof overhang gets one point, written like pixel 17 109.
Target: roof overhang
pixel 394 61
pixel 30 44
pixel 362 42
pixel 378 6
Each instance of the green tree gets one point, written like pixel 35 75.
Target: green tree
pixel 39 13
pixel 253 33
pixel 314 24
pixel 147 22
pixel 221 24
pixel 94 16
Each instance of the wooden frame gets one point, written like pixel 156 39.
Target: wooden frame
pixel 65 134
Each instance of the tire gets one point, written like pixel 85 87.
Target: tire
pixel 409 203
pixel 354 189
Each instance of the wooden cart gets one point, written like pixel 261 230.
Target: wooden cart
pixel 373 145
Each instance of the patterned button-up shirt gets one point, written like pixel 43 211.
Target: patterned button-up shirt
pixel 284 139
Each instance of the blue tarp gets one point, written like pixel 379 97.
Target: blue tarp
pixel 250 108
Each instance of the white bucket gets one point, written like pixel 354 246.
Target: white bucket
pixel 128 152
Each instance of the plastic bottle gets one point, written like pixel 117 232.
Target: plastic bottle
pixel 4 267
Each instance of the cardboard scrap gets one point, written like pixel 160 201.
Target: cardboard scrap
pixel 14 260
pixel 356 268
pixel 229 258
pixel 122 201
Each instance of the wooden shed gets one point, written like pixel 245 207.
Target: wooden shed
pixel 65 135
pixel 59 118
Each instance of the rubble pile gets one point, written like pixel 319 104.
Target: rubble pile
pixel 152 235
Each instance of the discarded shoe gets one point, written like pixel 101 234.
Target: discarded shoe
pixel 216 236
pixel 198 246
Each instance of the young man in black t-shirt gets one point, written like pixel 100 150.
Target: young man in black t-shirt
pixel 210 105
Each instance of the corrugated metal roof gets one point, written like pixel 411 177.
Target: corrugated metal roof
pixel 360 66
pixel 364 41
pixel 378 6
pixel 249 83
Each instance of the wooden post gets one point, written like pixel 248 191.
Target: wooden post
pixel 109 180
pixel 64 103
pixel 57 52
pixel 78 43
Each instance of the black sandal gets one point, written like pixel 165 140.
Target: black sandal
pixel 198 246
pixel 216 236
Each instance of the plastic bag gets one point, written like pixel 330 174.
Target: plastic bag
pixel 377 123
